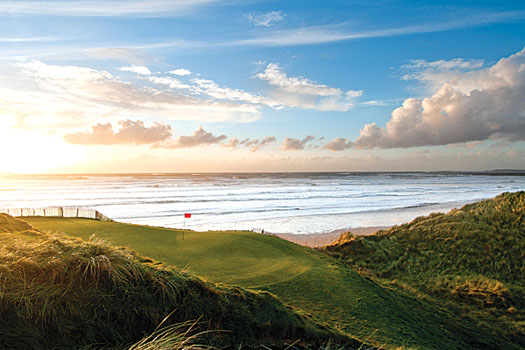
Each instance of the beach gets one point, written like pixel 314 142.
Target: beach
pixel 321 239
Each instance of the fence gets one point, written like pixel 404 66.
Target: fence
pixel 63 212
pixel 258 230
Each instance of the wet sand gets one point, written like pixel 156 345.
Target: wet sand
pixel 321 239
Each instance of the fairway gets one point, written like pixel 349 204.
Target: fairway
pixel 308 280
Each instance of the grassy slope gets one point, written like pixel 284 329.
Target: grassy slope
pixel 470 260
pixel 60 292
pixel 303 278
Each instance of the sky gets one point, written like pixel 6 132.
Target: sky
pixel 261 86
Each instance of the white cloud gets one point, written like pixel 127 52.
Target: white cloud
pixel 309 35
pixel 104 8
pixel 46 72
pixel 266 19
pixel 47 97
pixel 28 39
pixel 51 96
pixel 91 96
pixel 305 93
pixel 142 70
pixel 212 89
pixel 354 93
pixel 456 63
pixel 172 83
pixel 180 72
pixel 339 32
pixel 493 108
pixel 382 103
pixel 298 36
pixel 436 73
pixel 274 75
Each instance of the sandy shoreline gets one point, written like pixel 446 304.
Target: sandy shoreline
pixel 320 239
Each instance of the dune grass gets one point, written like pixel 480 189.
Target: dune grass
pixel 470 261
pixel 67 293
pixel 178 336
pixel 310 281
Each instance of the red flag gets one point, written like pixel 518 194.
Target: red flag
pixel 187 215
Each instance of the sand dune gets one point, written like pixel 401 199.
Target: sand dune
pixel 321 239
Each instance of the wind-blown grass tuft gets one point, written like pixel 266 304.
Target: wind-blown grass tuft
pixel 180 336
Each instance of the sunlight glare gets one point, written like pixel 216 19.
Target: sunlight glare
pixel 31 152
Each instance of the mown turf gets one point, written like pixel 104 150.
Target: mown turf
pixel 308 280
pixel 65 293
pixel 470 260
pixel 243 258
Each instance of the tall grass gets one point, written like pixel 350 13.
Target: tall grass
pixel 470 260
pixel 180 336
pixel 60 292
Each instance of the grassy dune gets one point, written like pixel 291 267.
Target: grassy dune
pixel 67 293
pixel 470 261
pixel 310 281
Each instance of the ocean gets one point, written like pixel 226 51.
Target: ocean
pixel 278 203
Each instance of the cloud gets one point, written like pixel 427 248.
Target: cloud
pixel 305 93
pixel 494 108
pixel 308 35
pixel 256 145
pixel 133 56
pixel 456 63
pixel 55 96
pixel 292 144
pixel 470 145
pixel 46 91
pixel 266 19
pixel 29 39
pixel 274 75
pixel 340 32
pixel 268 140
pixel 338 144
pixel 292 92
pixel 104 8
pixel 233 143
pixel 142 70
pixel 212 89
pixel 170 82
pixel 249 142
pixel 180 71
pixel 158 136
pixel 435 73
pixel 198 138
pixel 130 132
pixel 253 144
pixel 383 103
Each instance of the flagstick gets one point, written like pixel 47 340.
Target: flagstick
pixel 186 215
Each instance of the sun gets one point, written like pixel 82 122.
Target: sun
pixel 32 152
